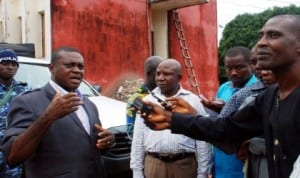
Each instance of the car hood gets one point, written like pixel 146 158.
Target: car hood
pixel 107 108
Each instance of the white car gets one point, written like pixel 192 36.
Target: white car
pixel 112 114
pixel 36 74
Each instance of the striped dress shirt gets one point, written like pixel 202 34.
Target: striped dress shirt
pixel 147 140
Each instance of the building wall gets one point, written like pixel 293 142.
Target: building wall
pixel 21 22
pixel 115 38
pixel 11 24
pixel 199 24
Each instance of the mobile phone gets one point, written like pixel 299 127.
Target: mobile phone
pixel 139 105
pixel 167 105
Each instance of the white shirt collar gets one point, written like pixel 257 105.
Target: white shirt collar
pixel 58 88
pixel 181 91
pixel 80 112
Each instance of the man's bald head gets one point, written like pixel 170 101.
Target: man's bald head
pixel 174 64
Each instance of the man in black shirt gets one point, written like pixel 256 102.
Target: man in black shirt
pixel 274 113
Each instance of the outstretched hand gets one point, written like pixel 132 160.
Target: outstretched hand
pixel 215 105
pixel 179 105
pixel 160 119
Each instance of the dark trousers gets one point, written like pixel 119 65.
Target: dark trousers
pixel 257 166
pixel 183 168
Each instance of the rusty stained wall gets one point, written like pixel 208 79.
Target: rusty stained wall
pixel 200 28
pixel 114 37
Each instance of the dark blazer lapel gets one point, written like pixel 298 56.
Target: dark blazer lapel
pixel 91 116
pixel 50 92
pixel 75 118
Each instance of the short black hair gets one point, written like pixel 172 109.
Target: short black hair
pixel 237 50
pixel 57 53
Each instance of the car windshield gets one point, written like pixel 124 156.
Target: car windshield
pixel 39 75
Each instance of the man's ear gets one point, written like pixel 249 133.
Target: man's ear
pixel 298 46
pixel 51 67
pixel 179 77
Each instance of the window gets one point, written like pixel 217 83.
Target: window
pixel 42 14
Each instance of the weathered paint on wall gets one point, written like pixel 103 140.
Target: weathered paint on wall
pixel 114 37
pixel 200 26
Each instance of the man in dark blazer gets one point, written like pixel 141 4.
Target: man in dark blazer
pixel 55 131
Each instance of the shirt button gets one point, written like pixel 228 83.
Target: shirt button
pixel 276 142
pixel 284 157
